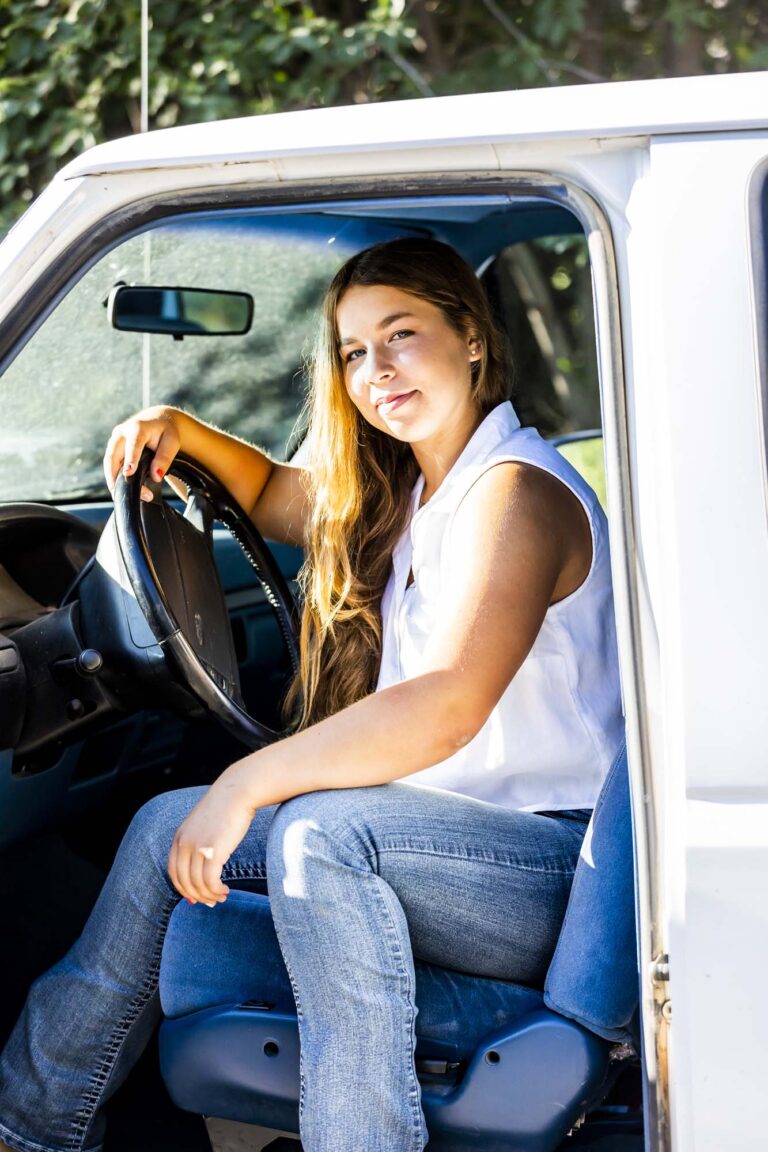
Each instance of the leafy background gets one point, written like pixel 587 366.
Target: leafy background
pixel 69 69
pixel 70 78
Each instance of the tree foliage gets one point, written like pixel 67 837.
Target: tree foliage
pixel 69 69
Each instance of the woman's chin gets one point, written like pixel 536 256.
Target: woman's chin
pixel 408 432
pixel 408 428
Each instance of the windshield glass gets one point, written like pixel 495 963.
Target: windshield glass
pixel 78 376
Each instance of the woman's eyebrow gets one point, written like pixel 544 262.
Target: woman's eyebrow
pixel 382 324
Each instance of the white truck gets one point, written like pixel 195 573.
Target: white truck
pixel 623 231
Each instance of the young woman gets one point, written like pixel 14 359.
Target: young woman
pixel 458 705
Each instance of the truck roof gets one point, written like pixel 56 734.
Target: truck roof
pixel 587 111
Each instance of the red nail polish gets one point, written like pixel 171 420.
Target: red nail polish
pixel 159 473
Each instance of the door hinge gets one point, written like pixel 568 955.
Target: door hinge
pixel 660 969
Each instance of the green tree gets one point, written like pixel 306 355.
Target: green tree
pixel 69 69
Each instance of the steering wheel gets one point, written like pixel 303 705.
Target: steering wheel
pixel 170 563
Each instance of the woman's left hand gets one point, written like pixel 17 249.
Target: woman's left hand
pixel 207 838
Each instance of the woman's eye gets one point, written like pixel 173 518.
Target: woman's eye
pixel 402 333
pixel 355 354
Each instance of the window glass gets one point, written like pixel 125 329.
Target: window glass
pixel 542 293
pixel 78 376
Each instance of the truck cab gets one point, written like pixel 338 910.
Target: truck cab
pixel 622 233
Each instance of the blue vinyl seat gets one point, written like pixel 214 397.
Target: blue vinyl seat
pixel 502 1066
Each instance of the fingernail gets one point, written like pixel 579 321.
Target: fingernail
pixel 189 901
pixel 146 496
pixel 159 473
pixel 212 904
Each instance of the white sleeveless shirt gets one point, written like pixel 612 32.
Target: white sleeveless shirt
pixel 555 731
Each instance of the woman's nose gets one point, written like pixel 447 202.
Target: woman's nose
pixel 378 366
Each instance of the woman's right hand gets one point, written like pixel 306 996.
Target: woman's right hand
pixel 156 428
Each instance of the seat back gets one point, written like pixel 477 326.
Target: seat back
pixel 593 976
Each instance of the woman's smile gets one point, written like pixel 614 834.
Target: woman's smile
pixel 393 401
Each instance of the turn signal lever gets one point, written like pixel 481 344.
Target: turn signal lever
pixel 86 663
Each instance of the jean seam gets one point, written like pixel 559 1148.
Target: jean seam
pixel 32 1145
pixel 99 1079
pixel 242 872
pixel 299 1018
pixel 472 856
pixel 414 1094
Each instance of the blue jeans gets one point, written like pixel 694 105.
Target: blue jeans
pixel 360 882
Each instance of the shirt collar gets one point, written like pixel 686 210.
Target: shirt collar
pixel 494 429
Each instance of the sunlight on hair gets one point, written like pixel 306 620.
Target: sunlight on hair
pixel 361 479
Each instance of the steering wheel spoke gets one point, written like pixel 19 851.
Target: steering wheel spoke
pixel 199 513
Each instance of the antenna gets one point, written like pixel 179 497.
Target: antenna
pixel 144 65
pixel 146 348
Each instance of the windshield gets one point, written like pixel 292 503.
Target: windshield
pixel 78 376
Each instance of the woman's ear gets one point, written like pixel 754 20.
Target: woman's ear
pixel 475 347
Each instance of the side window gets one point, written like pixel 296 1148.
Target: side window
pixel 77 377
pixel 541 290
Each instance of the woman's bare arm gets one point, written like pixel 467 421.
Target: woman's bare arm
pixel 272 493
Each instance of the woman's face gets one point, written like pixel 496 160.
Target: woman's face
pixel 406 369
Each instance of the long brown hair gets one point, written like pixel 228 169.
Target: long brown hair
pixel 361 479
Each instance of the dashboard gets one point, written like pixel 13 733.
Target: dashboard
pixel 42 553
pixel 79 708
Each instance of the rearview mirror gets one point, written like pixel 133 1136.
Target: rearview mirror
pixel 179 312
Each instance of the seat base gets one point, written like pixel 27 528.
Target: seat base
pixel 243 1064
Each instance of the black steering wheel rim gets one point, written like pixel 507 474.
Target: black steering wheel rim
pixel 217 696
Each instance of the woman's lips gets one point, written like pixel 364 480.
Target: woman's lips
pixel 390 405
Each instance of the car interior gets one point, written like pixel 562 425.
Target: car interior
pixel 142 647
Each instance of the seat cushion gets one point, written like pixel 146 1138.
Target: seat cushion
pixel 229 955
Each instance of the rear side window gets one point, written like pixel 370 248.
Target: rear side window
pixel 541 290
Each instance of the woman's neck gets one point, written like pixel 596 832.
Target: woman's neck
pixel 436 459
